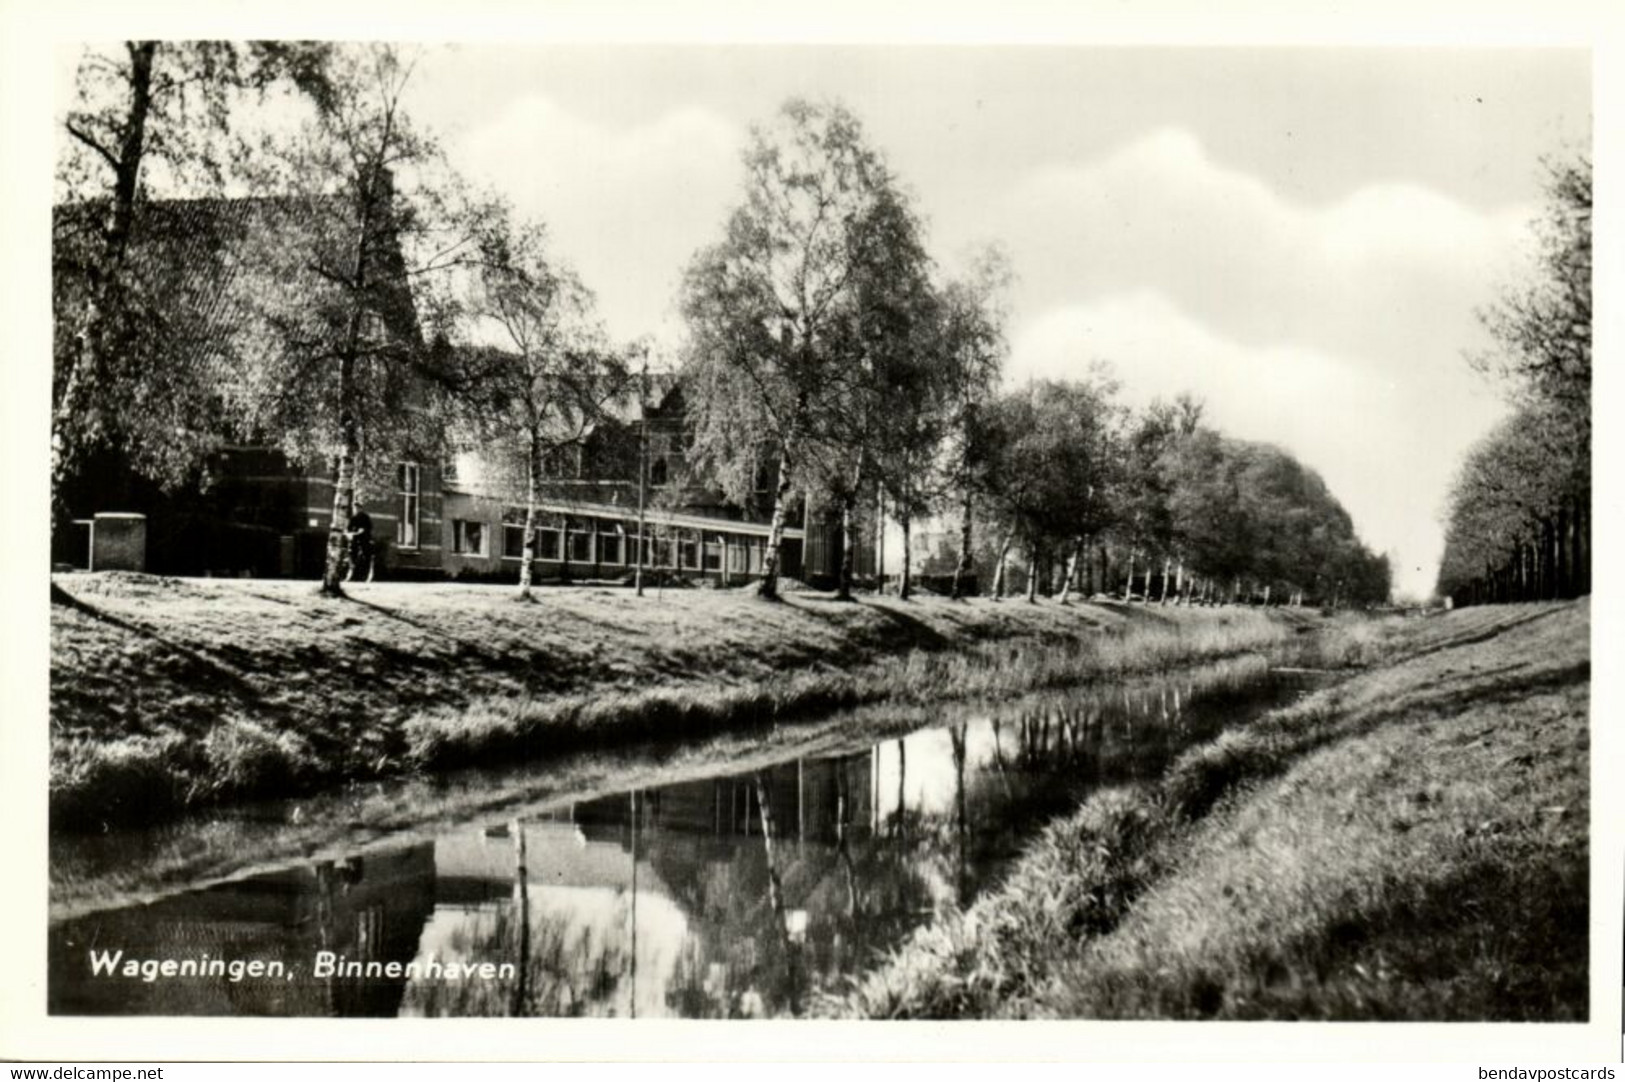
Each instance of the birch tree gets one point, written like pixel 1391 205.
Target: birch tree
pixel 885 420
pixel 343 281
pixel 974 314
pixel 762 305
pixel 549 377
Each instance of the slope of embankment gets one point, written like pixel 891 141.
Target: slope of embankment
pixel 1411 843
pixel 169 693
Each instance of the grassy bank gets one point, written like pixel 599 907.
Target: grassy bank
pixel 1410 843
pixel 168 693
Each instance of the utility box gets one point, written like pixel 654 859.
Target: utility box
pixel 118 542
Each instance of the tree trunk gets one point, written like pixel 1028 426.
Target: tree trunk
pixel 843 575
pixel 769 586
pixel 880 541
pixel 527 555
pixel 902 777
pixel 77 421
pixel 849 500
pixel 349 437
pixel 1162 594
pixel 1565 565
pixel 1004 559
pixel 1582 547
pixel 643 474
pixel 521 899
pixel 564 555
pixel 1128 583
pixel 1032 573
pixel 1548 569
pixel 343 482
pixel 905 584
pixel 963 568
pixel 1071 570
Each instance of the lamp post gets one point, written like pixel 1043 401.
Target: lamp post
pixel 643 464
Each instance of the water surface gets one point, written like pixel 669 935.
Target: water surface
pixel 744 893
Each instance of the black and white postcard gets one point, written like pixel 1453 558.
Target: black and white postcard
pixel 840 525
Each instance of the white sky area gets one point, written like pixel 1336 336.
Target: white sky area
pixel 1299 236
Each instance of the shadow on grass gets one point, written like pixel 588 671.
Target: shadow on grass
pixel 1204 777
pixel 1134 610
pixel 1492 632
pixel 200 671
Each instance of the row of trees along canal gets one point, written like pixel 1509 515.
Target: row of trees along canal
pixel 1518 524
pixel 363 305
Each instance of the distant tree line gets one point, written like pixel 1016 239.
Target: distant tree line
pixel 363 306
pixel 824 342
pixel 1518 524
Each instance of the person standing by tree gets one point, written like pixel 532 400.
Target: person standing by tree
pixel 359 533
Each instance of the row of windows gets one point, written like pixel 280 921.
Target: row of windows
pixel 408 529
pixel 611 544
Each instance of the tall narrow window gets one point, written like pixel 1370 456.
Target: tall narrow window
pixel 513 533
pixel 406 527
pixel 611 549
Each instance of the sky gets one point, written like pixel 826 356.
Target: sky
pixel 1299 236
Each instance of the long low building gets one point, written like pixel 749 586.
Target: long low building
pixel 254 511
pixel 484 535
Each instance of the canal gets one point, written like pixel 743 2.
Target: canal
pixel 744 891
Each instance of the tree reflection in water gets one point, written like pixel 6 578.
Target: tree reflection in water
pixel 737 895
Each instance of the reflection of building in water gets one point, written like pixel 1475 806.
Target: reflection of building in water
pixel 369 908
pixel 670 900
pixel 723 897
pixel 814 800
pixel 774 894
pixel 583 953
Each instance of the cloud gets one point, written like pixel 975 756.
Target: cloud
pixel 1391 273
pixel 627 206
pixel 1386 445
pixel 1335 330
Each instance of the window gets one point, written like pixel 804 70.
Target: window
pixel 688 551
pixel 513 533
pixel 757 549
pixel 611 549
pixel 739 554
pixel 651 552
pixel 657 473
pixel 550 544
pixel 406 527
pixel 580 547
pixel 468 538
pixel 713 553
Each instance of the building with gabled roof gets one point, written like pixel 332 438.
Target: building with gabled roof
pixel 251 510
